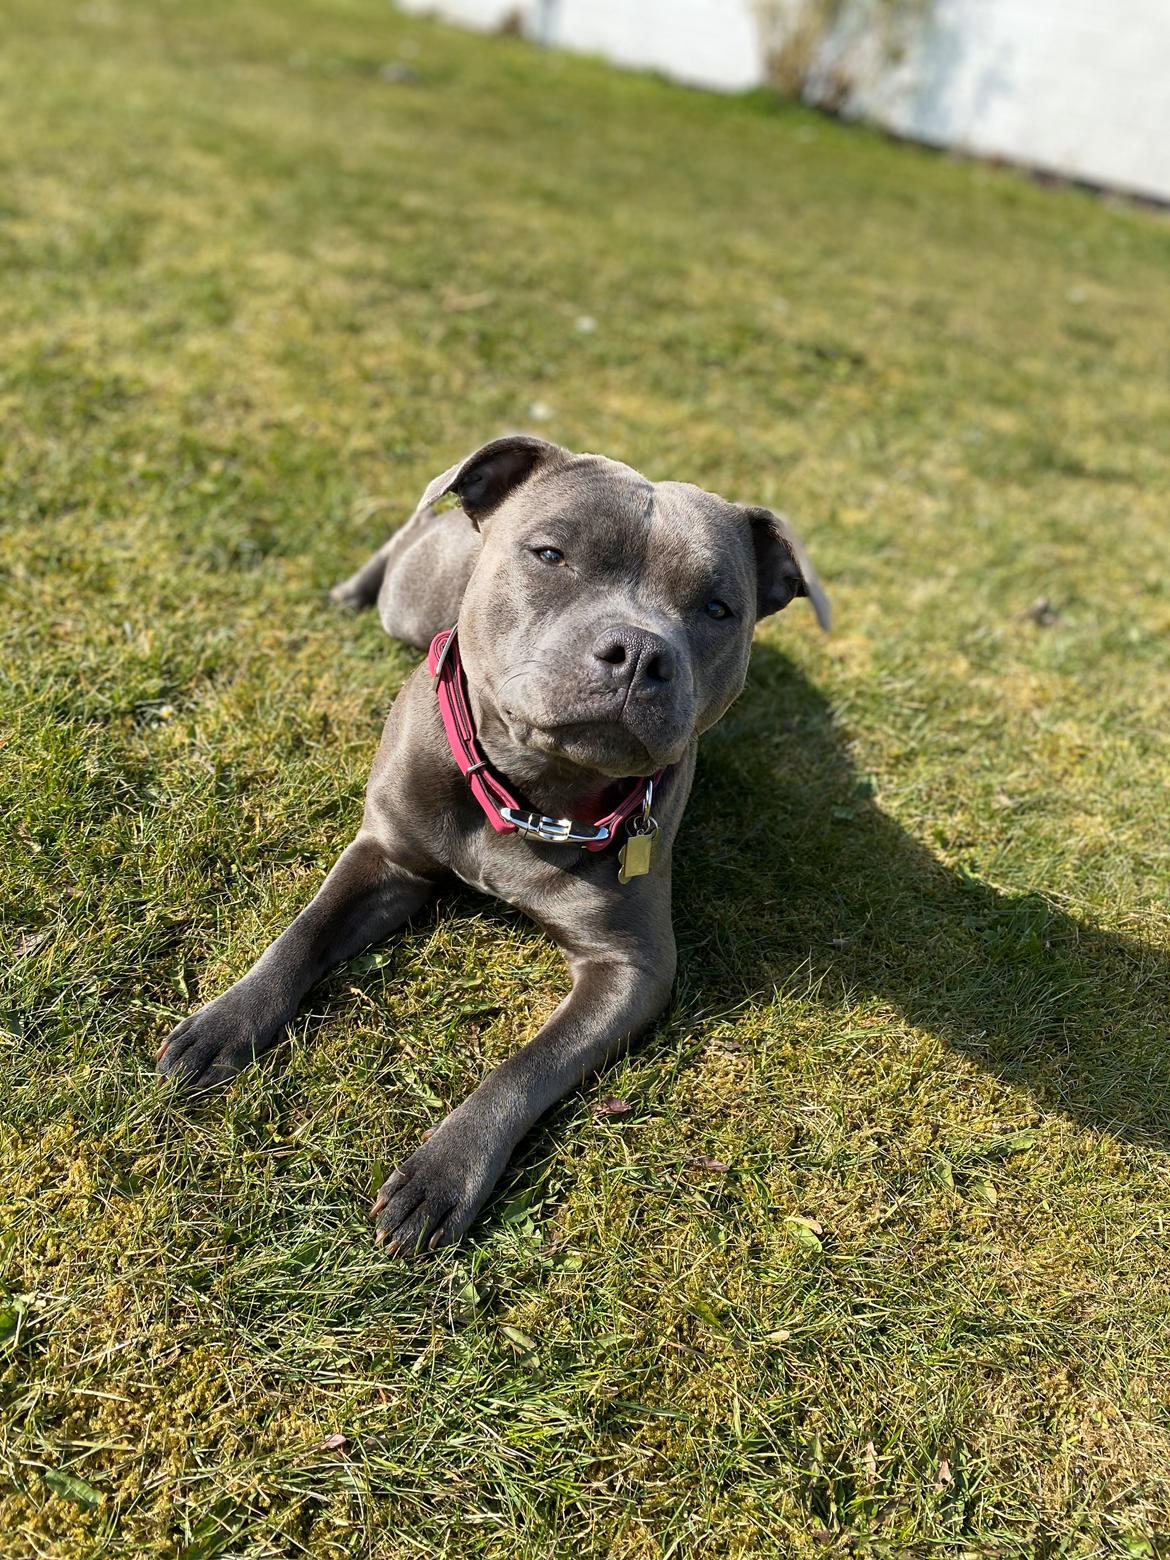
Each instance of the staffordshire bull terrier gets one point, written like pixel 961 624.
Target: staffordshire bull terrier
pixel 584 626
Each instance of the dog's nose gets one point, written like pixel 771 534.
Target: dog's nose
pixel 636 656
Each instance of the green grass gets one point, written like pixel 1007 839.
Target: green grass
pixel 254 295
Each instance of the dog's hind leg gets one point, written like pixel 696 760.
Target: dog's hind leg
pixel 361 589
pixel 418 577
pixel 423 587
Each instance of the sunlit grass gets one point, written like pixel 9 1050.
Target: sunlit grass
pixel 256 289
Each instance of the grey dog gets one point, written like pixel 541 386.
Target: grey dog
pixel 604 623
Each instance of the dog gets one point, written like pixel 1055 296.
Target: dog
pixel 584 627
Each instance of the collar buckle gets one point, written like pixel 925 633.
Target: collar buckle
pixel 554 831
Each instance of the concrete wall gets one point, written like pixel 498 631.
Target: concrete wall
pixel 1078 87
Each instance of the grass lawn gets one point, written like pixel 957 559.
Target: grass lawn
pixel 875 1263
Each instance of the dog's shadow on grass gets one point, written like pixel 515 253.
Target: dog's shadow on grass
pixel 786 864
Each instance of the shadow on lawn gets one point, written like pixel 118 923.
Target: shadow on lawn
pixel 786 864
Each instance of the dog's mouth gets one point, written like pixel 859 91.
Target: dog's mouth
pixel 623 744
pixel 607 750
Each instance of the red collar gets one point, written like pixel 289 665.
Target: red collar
pixel 503 811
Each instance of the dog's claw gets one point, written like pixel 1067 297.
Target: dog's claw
pixel 207 1049
pixel 436 1194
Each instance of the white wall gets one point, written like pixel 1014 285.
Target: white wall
pixel 1077 87
pixel 707 42
pixel 710 43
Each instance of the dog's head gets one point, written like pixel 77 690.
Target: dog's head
pixel 609 619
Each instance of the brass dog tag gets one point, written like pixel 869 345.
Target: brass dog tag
pixel 635 856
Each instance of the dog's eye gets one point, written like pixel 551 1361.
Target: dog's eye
pixel 550 554
pixel 717 609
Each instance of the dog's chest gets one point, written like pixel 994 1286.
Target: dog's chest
pixel 522 874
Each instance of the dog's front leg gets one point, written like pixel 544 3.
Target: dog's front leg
pixel 366 896
pixel 433 1198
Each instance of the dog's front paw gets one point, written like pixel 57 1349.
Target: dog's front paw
pixel 433 1197
pixel 212 1046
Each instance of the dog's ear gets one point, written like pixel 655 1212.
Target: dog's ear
pixel 496 469
pixel 783 568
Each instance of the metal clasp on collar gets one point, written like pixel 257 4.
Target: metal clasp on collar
pixel 646 824
pixel 448 646
pixel 553 831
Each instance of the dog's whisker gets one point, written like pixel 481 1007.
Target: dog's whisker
pixel 521 671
